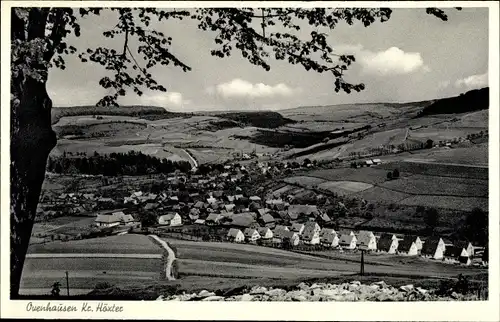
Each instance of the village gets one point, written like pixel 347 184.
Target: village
pixel 227 203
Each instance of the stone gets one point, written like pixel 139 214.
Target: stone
pixel 382 284
pixel 303 286
pixel 258 290
pixel 299 298
pixel 374 287
pixel 407 288
pixel 205 293
pixel 213 298
pixel 356 283
pixel 275 292
pixel 246 297
pixel 160 298
pixel 421 290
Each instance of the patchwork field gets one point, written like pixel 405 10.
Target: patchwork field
pixel 344 187
pixel 103 261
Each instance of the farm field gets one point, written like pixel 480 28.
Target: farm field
pixel 42 267
pixel 438 169
pixel 376 194
pixel 370 175
pixel 68 225
pixel 448 202
pixel 309 182
pixel 344 187
pixel 433 185
pixel 126 244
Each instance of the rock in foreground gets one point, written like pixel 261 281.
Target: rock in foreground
pixel 322 292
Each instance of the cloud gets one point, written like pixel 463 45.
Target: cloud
pixel 392 61
pixel 473 81
pixel 238 88
pixel 444 84
pixel 167 100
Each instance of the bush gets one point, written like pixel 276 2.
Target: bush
pixel 389 175
pixel 395 173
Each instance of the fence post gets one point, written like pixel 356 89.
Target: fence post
pixel 67 282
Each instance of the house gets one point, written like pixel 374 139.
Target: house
pixel 213 219
pixel 230 199
pixel 348 241
pixel 279 233
pixel 292 238
pixel 457 254
pixel 388 243
pixel 298 228
pixel 199 222
pixel 107 220
pixel 295 210
pixel 251 234
pixel 485 257
pixel 376 161
pixel 265 233
pixel 235 235
pixel 328 237
pixel 171 219
pixel 211 200
pixel 239 196
pixel 310 235
pixel 416 240
pixel 199 204
pixel 433 247
pixel 366 240
pixel 268 220
pixel 242 220
pixel 467 246
pixel 408 246
pixel 368 163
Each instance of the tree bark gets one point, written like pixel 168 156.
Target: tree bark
pixel 32 139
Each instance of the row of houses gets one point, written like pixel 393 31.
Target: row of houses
pixel 312 234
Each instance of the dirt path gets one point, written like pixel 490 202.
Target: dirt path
pixel 170 258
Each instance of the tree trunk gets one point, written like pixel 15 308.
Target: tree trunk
pixel 32 139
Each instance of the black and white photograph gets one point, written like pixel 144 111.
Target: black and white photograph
pixel 163 152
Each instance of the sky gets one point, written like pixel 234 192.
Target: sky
pixel 411 57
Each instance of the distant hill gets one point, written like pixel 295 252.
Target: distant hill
pixel 471 101
pixel 258 119
pixel 145 112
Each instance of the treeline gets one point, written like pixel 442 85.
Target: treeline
pixel 471 101
pixel 131 163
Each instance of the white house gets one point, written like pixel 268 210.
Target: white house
pixel 279 233
pixel 171 219
pixel 235 235
pixel 265 233
pixel 434 247
pixel 251 234
pixel 107 220
pixel 366 240
pixel 408 247
pixel 328 238
pixel 348 241
pixel 292 237
pixel 388 243
pixel 310 235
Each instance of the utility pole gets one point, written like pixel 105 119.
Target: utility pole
pixel 362 271
pixel 67 282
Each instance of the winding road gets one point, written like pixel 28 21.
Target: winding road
pixel 170 259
